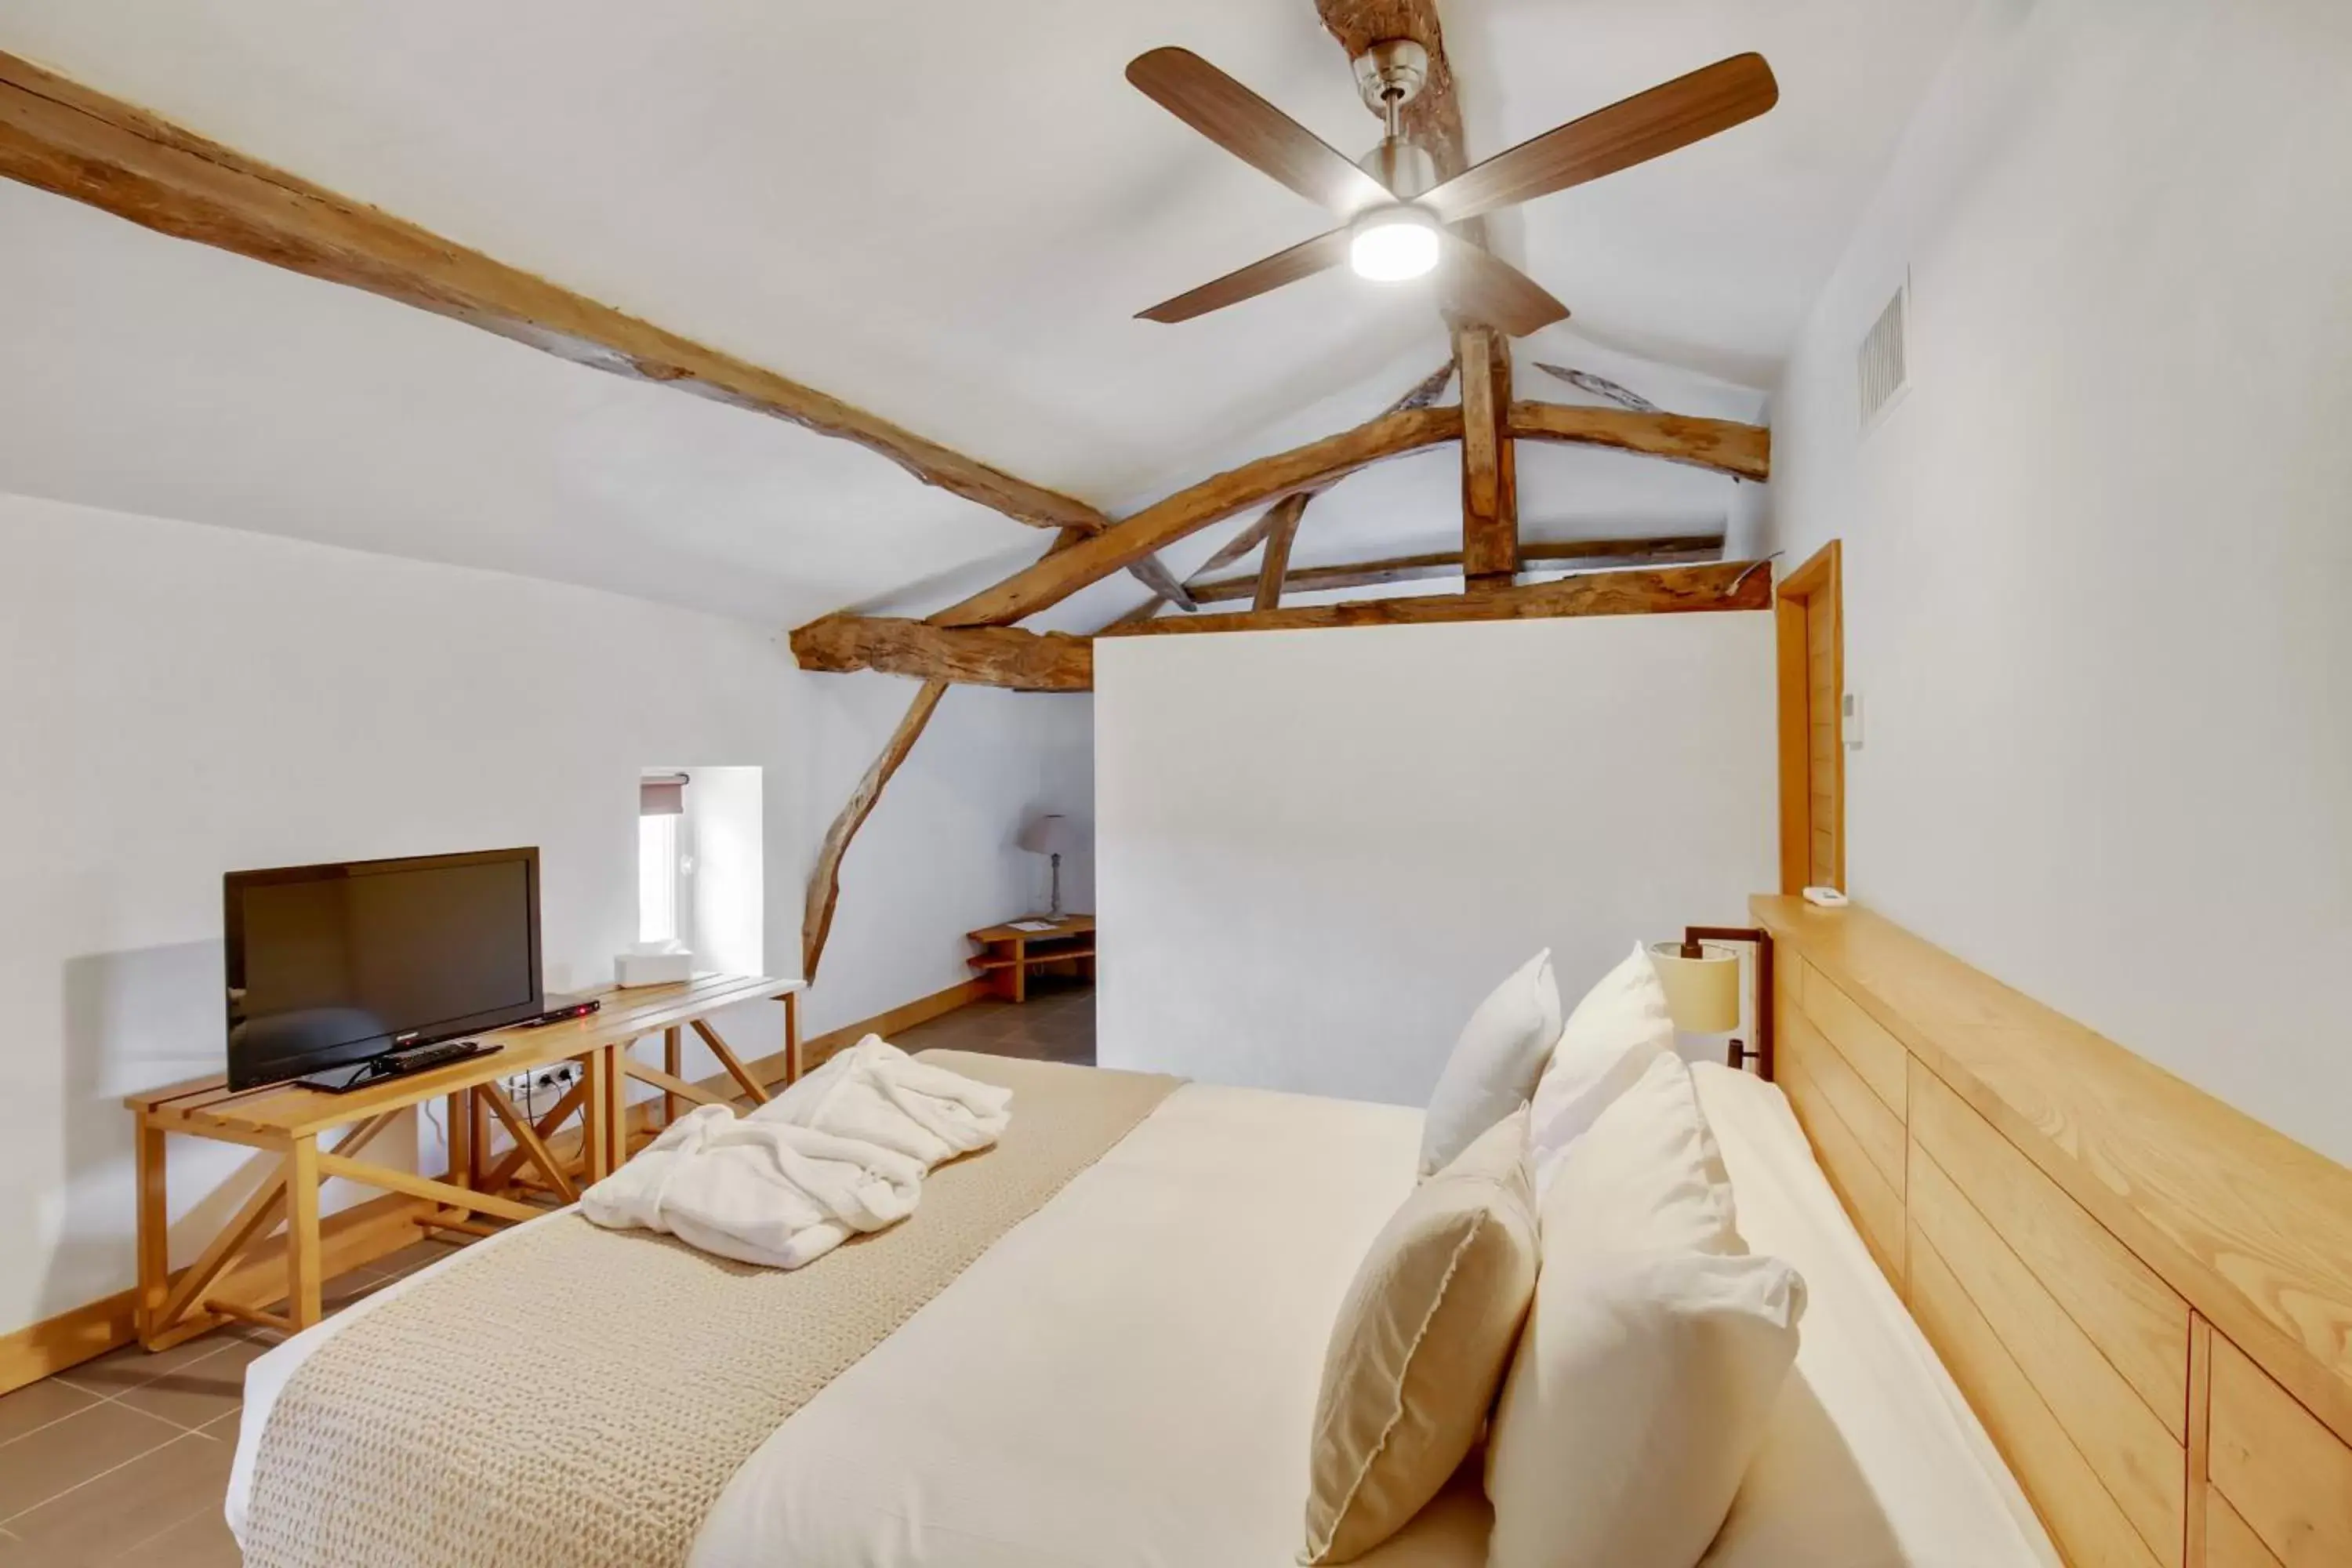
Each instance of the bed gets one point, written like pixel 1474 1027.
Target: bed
pixel 1127 1374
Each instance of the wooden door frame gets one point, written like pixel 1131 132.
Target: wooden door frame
pixel 1822 575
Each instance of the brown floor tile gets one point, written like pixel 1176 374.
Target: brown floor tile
pixel 201 1391
pixel 118 1372
pixel 131 1506
pixel 415 1256
pixel 36 1469
pixel 37 1403
pixel 200 1541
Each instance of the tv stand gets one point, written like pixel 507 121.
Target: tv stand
pixel 483 1190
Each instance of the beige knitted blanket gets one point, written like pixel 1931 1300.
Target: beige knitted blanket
pixel 577 1398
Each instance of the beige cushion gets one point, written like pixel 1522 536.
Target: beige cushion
pixel 1421 1344
pixel 1653 1356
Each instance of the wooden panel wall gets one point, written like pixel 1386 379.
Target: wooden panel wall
pixel 2142 1431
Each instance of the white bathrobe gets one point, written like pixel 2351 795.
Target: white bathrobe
pixel 843 1151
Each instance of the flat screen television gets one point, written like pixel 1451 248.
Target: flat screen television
pixel 331 965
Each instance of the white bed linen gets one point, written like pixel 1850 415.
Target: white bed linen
pixel 1128 1376
pixel 1873 1458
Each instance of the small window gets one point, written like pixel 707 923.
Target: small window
pixel 664 861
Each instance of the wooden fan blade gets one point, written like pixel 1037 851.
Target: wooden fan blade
pixel 1478 286
pixel 1632 131
pixel 1253 131
pixel 1257 277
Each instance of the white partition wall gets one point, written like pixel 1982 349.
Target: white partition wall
pixel 1317 850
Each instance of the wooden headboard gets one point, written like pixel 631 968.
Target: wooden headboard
pixel 2146 1295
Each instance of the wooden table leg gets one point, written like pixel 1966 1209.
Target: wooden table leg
pixel 792 1039
pixel 674 1064
pixel 302 1233
pixel 1020 969
pixel 154 1229
pixel 596 1141
pixel 616 1106
pixel 461 1138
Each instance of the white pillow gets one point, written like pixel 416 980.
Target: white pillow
pixel 1616 1031
pixel 1648 1176
pixel 1642 1386
pixel 1656 1350
pixel 1496 1062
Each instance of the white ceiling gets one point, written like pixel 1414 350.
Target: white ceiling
pixel 947 213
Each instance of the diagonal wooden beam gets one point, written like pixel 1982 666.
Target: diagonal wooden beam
pixel 1423 393
pixel 393 1180
pixel 752 1086
pixel 1155 576
pixel 1669 550
pixel 1743 451
pixel 82 144
pixel 824 880
pixel 1053 661
pixel 1279 536
pixel 1057 576
pixel 512 1159
pixel 526 1136
pixel 1490 469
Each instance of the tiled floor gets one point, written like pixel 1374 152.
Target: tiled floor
pixel 1056 1024
pixel 124 1461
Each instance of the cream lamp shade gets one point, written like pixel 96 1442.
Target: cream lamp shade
pixel 1702 993
pixel 1051 834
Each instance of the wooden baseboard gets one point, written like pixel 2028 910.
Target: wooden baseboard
pixel 381 1226
pixel 815 1052
pixel 348 1239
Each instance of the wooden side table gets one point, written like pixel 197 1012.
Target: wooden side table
pixel 293 1124
pixel 1007 953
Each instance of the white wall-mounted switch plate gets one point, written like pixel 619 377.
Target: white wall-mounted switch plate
pixel 1850 720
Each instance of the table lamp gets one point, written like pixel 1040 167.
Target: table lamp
pixel 1701 978
pixel 1056 835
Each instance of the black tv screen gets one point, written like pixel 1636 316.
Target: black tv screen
pixel 333 964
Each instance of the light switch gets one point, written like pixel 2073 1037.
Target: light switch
pixel 1851 721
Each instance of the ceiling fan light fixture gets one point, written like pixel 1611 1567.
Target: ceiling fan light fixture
pixel 1392 244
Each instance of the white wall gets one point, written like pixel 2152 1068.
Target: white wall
pixel 183 701
pixel 1319 850
pixel 2096 562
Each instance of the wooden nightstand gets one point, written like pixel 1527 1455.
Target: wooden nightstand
pixel 1007 953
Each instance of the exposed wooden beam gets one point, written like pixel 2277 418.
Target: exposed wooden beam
pixel 1057 576
pixel 1674 550
pixel 1490 469
pixel 1283 528
pixel 1744 451
pixel 1053 661
pixel 1646 591
pixel 1423 393
pixel 1162 581
pixel 1599 386
pixel 824 882
pixel 82 144
pixel 1031 661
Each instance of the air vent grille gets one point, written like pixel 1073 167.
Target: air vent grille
pixel 1883 367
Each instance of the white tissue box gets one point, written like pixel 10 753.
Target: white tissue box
pixel 652 968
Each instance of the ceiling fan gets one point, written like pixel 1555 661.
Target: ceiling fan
pixel 1398 216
